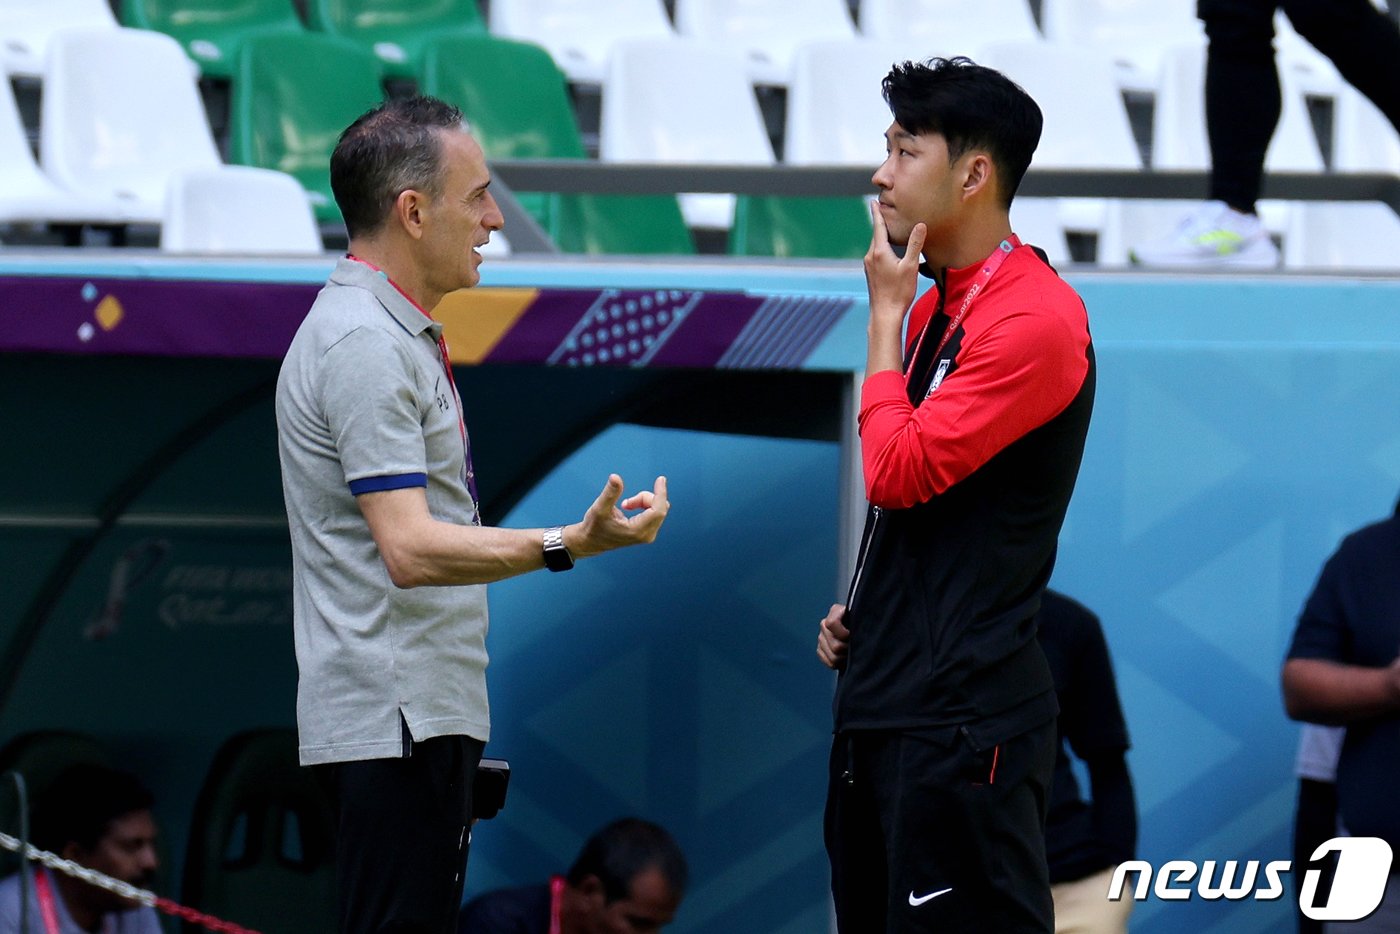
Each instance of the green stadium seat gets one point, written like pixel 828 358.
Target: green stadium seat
pixel 517 102
pixel 212 31
pixel 261 837
pixel 292 97
pixel 831 228
pixel 396 30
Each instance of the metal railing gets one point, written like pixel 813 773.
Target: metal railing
pixel 574 176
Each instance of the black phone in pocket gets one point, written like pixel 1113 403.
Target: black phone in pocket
pixel 489 788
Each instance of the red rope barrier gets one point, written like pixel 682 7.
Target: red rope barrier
pixel 208 922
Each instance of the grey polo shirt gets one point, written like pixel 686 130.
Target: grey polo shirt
pixel 364 404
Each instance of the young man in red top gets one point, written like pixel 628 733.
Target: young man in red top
pixel 971 436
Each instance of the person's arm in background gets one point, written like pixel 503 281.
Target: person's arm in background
pixel 1319 690
pixel 1113 805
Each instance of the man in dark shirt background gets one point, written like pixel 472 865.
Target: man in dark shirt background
pixel 1085 840
pixel 629 878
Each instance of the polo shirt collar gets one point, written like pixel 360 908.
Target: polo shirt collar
pixel 361 275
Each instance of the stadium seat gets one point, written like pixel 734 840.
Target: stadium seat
pixel 1179 125
pixel 948 27
pixel 292 97
pixel 836 115
pixel 768 31
pixel 683 102
pixel 238 209
pixel 1086 124
pixel 120 115
pixel 831 228
pixel 1312 72
pixel 1359 235
pixel 1134 33
pixel 260 846
pixel 577 34
pixel 27 25
pixel 212 31
pixel 395 30
pixel 1363 139
pixel 836 111
pixel 27 195
pixel 517 102
pixel 1037 222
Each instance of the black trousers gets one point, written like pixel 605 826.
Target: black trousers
pixel 930 836
pixel 402 829
pixel 1243 100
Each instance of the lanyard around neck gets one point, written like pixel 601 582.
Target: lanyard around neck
pixel 984 275
pixel 556 904
pixel 48 903
pixel 469 475
pixel 48 908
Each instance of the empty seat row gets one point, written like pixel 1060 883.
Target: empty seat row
pixel 121 117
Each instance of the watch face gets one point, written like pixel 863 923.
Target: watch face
pixel 556 555
pixel 558 559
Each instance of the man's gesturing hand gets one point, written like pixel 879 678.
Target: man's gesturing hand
pixel 606 526
pixel 833 638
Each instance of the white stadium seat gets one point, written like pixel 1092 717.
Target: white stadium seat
pixel 836 111
pixel 1134 33
pixel 237 209
pixel 1179 123
pixel 680 101
pixel 580 34
pixel 27 25
pixel 1086 123
pixel 1359 235
pixel 1363 139
pixel 27 195
pixel 948 27
pixel 121 114
pixel 768 31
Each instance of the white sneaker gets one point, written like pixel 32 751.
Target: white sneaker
pixel 1214 234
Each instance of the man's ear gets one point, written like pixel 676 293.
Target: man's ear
pixel 979 175
pixel 408 211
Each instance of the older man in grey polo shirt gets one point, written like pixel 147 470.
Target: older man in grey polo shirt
pixel 389 556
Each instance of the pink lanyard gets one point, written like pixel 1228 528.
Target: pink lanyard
pixel 556 898
pixel 44 891
pixel 984 275
pixel 470 475
pixel 48 906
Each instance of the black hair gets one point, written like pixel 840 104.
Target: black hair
pixel 971 107
pixel 620 851
pixel 392 148
pixel 80 805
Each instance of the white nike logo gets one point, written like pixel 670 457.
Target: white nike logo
pixel 915 902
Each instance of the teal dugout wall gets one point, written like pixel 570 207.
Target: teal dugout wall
pixel 1241 427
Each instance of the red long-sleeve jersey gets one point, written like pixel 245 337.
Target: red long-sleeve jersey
pixel 1017 362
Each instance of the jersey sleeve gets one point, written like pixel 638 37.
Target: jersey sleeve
pixel 1014 377
pixel 371 403
pixel 1322 630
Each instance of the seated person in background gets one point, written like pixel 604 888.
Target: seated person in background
pixel 1085 840
pixel 629 878
pixel 99 818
